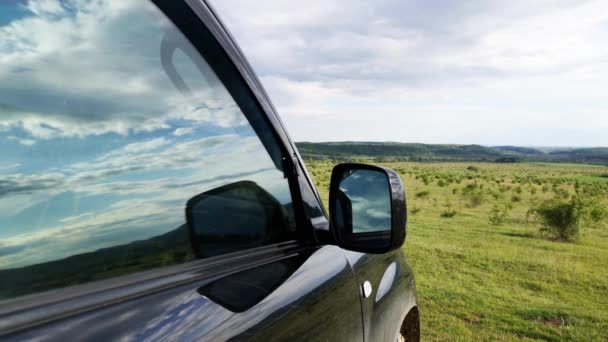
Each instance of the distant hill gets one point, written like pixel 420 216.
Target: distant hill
pixel 435 152
pixel 597 155
pixel 518 150
pixel 167 249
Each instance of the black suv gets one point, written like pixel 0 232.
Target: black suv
pixel 149 191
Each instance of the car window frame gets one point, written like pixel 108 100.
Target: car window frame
pixel 207 13
pixel 292 162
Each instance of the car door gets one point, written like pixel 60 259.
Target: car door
pixel 390 282
pixel 151 192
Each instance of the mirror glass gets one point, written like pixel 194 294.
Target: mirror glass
pixel 363 202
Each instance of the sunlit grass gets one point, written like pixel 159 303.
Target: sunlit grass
pixel 476 280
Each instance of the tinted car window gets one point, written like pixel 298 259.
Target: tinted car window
pixel 311 205
pixel 110 123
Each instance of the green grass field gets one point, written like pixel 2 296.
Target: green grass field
pixel 481 281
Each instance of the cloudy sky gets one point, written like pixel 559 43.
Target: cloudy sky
pixel 515 72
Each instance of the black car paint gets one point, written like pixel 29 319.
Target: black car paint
pixel 298 310
pixel 392 296
pixel 320 299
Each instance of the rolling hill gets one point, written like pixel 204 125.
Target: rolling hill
pixel 435 152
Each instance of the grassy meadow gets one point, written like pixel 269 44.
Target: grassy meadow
pixel 484 270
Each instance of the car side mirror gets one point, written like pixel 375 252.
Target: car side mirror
pixel 367 208
pixel 232 218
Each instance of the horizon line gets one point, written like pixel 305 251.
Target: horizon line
pixel 457 144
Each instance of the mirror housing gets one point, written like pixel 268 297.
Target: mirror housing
pixel 367 208
pixel 234 217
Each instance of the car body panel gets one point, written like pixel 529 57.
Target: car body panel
pixel 319 301
pixel 393 291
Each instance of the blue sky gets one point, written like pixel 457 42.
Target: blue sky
pixel 486 72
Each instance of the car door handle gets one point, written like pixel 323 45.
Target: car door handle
pixel 367 289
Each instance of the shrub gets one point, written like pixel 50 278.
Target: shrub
pixel 597 212
pixel 473 168
pixel 448 212
pixel 473 194
pixel 564 220
pixel 423 194
pixel 415 210
pixel 499 214
pixel 561 193
pixel 516 198
pixel 590 190
pixel 470 188
pixel 474 198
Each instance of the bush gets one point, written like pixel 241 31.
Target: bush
pixel 448 212
pixel 474 198
pixel 473 168
pixel 473 194
pixel 423 194
pixel 564 220
pixel 516 198
pixel 597 212
pixel 498 214
pixel 470 188
pixel 415 210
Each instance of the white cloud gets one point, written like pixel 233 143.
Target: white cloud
pixel 45 7
pixel 27 142
pixel 378 213
pixel 95 69
pixel 183 131
pixel 149 145
pixel 146 204
pixel 444 72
